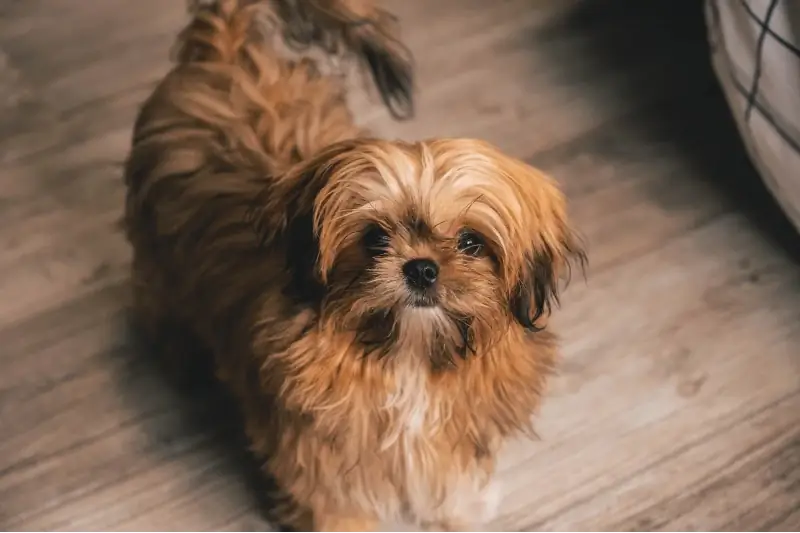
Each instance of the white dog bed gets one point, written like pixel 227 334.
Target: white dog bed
pixel 756 55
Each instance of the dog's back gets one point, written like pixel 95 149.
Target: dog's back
pixel 231 79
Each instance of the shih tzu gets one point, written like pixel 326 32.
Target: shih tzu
pixel 377 308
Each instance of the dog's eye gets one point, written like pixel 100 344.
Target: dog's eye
pixel 470 243
pixel 375 240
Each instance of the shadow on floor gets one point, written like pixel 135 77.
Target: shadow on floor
pixel 200 407
pixel 691 113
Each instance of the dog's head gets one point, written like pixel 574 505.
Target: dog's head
pixel 440 245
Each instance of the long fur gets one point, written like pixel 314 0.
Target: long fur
pixel 270 234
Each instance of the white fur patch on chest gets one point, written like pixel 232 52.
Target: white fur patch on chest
pixel 408 405
pixel 434 489
pixel 411 404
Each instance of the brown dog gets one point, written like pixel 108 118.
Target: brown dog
pixel 376 307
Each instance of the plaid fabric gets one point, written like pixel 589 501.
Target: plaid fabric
pixel 755 46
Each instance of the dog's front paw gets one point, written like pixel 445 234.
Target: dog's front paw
pixel 491 502
pixel 472 512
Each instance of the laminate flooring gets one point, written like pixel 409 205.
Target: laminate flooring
pixel 677 405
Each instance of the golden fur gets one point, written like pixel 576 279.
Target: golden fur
pixel 271 233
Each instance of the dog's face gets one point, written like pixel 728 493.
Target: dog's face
pixel 441 245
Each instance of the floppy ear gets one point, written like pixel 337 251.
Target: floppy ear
pixel 284 212
pixel 537 290
pixel 553 250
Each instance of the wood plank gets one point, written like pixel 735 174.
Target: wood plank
pixel 658 377
pixel 678 399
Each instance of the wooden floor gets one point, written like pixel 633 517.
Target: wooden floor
pixel 678 402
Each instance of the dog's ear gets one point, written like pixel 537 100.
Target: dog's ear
pixel 549 250
pixel 284 212
pixel 537 290
pixel 287 200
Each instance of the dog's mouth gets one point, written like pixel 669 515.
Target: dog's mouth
pixel 422 299
pixel 443 334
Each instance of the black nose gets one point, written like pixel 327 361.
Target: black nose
pixel 420 273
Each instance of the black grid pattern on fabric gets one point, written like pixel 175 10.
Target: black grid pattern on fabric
pixel 764 27
pixel 759 59
pixel 768 115
pixel 751 94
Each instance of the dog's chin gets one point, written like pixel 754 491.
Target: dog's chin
pixel 422 301
pixel 418 323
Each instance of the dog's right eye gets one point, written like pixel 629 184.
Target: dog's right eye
pixel 375 240
pixel 471 243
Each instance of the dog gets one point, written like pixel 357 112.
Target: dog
pixel 377 308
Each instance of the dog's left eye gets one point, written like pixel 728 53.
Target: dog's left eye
pixel 375 240
pixel 470 243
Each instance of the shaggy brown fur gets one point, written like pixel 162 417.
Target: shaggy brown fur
pixel 271 234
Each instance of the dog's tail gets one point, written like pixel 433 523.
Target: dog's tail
pixel 223 30
pixel 362 28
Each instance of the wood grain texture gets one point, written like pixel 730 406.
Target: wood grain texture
pixel 677 406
